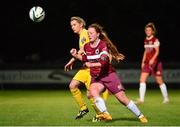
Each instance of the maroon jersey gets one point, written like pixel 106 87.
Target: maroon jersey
pixel 99 53
pixel 150 44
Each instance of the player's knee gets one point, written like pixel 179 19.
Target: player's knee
pixel 159 82
pixel 88 94
pixel 141 79
pixel 94 93
pixel 73 85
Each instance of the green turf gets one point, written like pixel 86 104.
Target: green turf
pixel 57 108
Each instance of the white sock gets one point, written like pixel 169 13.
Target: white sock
pixel 142 91
pixel 100 104
pixel 133 108
pixel 164 90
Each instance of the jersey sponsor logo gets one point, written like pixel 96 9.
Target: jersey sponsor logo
pixel 83 40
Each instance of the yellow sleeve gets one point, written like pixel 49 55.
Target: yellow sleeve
pixel 83 38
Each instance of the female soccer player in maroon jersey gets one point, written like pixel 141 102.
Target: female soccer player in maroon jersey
pixel 151 64
pixel 97 55
pixel 82 77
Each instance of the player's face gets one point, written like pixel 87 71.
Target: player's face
pixel 149 31
pixel 76 27
pixel 93 35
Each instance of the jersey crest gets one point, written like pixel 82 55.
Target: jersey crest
pixel 83 40
pixel 97 51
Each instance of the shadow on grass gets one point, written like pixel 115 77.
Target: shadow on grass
pixel 121 119
pixel 124 119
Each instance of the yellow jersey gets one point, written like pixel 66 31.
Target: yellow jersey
pixel 83 75
pixel 83 38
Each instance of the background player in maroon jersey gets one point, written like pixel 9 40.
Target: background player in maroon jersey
pixel 96 57
pixel 151 64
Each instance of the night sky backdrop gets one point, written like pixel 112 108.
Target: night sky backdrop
pixel 123 20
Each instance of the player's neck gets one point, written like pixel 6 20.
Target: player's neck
pixel 80 31
pixel 95 43
pixel 149 37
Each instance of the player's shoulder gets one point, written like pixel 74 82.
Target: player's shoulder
pixel 102 43
pixel 84 32
pixel 154 38
pixel 87 45
pixel 84 37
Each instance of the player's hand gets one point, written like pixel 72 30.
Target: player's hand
pixel 73 51
pixel 68 66
pixel 142 65
pixel 151 62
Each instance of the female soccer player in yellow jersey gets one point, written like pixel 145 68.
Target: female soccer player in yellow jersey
pixel 83 75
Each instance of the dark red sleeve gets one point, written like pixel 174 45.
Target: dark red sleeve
pixel 104 58
pixel 84 58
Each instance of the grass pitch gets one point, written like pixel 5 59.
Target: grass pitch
pixel 58 108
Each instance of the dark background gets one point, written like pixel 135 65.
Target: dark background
pixel 50 40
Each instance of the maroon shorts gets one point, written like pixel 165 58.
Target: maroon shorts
pixel 155 69
pixel 111 82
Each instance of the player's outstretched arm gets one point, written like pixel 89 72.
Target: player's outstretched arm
pixel 75 54
pixel 69 65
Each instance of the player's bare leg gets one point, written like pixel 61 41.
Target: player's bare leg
pixel 163 89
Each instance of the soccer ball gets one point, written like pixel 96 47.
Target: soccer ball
pixel 37 14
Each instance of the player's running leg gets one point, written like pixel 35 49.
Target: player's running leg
pixel 78 98
pixel 131 106
pixel 103 114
